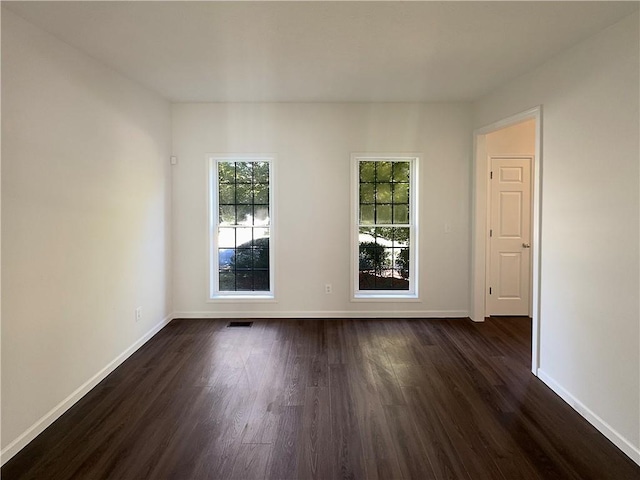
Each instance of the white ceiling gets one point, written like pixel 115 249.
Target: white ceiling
pixel 322 51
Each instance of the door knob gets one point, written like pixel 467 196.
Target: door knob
pixel 526 245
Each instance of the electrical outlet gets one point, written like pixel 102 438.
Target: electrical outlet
pixel 138 314
pixel 328 288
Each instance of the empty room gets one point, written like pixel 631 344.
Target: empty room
pixel 320 240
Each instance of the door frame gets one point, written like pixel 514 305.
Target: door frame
pixel 488 224
pixel 479 230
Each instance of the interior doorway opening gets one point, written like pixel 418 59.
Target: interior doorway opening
pixel 506 238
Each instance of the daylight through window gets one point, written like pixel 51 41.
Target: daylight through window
pixel 386 229
pixel 242 217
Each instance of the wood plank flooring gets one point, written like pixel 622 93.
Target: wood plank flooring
pixel 325 399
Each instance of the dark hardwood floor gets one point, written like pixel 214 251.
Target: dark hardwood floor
pixel 325 399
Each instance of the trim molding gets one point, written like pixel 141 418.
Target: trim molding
pixel 38 427
pixel 328 314
pixel 603 427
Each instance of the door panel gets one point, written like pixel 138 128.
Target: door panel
pixel 511 174
pixel 510 215
pixel 510 268
pixel 509 263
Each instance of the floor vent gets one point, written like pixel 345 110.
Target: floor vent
pixel 240 324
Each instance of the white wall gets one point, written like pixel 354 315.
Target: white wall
pixel 518 139
pixel 313 143
pixel 85 223
pixel 590 312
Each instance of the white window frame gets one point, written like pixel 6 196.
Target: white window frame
pixel 213 215
pixel 412 294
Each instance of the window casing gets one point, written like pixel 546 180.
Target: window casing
pixel 241 227
pixel 384 226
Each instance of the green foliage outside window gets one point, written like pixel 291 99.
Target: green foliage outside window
pixel 384 217
pixel 244 218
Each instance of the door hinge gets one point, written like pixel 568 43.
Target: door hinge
pixel 491 232
pixel 491 175
pixel 489 290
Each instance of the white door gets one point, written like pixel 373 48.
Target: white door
pixel 509 263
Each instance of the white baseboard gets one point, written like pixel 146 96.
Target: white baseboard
pixel 51 416
pixel 328 314
pixel 616 438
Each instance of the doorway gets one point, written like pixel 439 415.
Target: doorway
pixel 512 263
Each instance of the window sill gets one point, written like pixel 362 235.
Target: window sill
pixel 268 298
pixel 385 297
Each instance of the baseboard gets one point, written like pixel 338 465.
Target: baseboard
pixel 603 427
pixel 37 428
pixel 328 314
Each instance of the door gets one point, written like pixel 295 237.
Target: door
pixel 509 262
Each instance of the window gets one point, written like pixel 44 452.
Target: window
pixel 386 231
pixel 241 227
